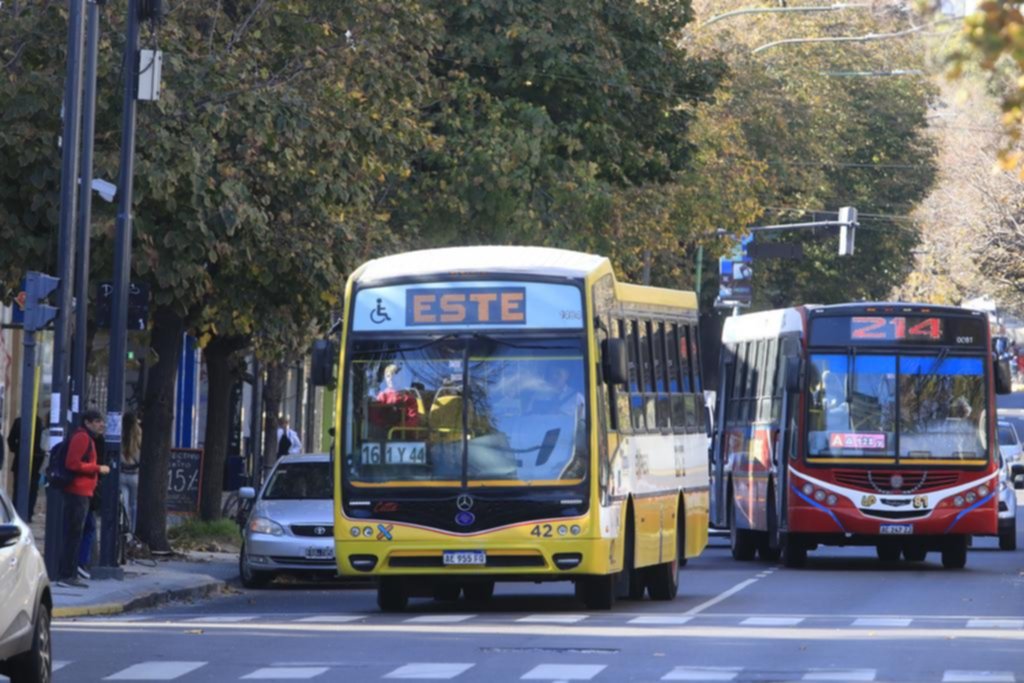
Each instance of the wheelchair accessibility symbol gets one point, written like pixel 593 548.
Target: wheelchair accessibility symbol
pixel 379 315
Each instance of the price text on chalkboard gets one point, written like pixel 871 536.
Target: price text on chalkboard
pixel 184 480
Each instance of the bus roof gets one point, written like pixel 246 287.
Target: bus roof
pixel 889 307
pixel 762 325
pixel 484 260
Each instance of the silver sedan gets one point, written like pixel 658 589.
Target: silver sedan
pixel 290 529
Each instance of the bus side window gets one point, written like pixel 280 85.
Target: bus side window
pixel 660 378
pixel 739 381
pixel 675 386
pixel 768 376
pixel 636 398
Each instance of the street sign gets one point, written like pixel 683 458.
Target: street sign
pixel 138 305
pixel 778 250
pixel 735 274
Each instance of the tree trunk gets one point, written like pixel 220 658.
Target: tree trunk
pixel 167 334
pixel 273 391
pixel 222 371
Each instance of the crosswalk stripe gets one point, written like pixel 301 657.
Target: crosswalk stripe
pixel 59 664
pixel 155 671
pixel 771 621
pixel 224 618
pixel 440 619
pixel 881 622
pixel 430 670
pixel 702 673
pixel 563 672
pixel 955 676
pixel 285 672
pixel 995 623
pixel 847 675
pixel 552 618
pixel 660 620
pixel 331 619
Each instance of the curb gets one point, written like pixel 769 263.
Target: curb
pixel 151 599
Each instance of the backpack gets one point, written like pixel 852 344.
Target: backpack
pixel 285 444
pixel 58 476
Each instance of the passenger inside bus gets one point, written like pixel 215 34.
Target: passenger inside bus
pixel 837 408
pixel 397 412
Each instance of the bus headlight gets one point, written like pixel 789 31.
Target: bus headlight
pixel 832 500
pixel 368 531
pixel 354 531
pixel 971 496
pixel 819 495
pixel 808 489
pixel 958 501
pixel 982 490
pixel 562 530
pixel 575 529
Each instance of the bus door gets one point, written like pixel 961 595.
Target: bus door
pixel 719 477
pixel 790 373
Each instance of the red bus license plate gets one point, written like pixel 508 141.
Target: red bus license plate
pixel 896 529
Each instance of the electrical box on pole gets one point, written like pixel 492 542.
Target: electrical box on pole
pixel 38 289
pixel 847 230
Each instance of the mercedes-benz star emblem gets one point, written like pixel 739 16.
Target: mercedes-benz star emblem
pixel 319 531
pixel 464 502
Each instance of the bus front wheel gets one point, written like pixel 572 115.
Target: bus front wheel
pixel 391 594
pixel 742 542
pixel 478 591
pixel 597 592
pixel 794 552
pixel 663 580
pixel 954 555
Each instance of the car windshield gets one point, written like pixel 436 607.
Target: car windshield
pixel 853 403
pixel 300 481
pixel 1006 436
pixel 480 410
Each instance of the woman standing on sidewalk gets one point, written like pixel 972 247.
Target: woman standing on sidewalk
pixel 131 429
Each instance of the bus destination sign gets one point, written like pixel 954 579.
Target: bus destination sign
pixel 898 330
pixel 472 305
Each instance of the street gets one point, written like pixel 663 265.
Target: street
pixel 846 617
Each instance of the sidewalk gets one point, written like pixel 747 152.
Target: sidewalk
pixel 180 577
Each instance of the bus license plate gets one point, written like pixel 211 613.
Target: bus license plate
pixel 320 553
pixel 896 529
pixel 465 557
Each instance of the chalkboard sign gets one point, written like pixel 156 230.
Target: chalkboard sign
pixel 185 476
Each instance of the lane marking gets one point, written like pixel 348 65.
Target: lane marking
pixel 330 619
pixel 848 675
pixel 567 630
pixel 771 621
pixel 440 619
pixel 702 673
pixel 155 671
pixel 430 670
pixel 660 620
pixel 995 623
pixel 552 619
pixel 285 672
pixel 720 597
pixel 881 622
pixel 955 676
pixel 224 619
pixel 563 672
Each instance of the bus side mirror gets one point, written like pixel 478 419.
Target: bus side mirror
pixel 1000 345
pixel 613 361
pixel 324 355
pixel 1004 381
pixel 791 368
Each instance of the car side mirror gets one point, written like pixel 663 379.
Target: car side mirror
pixel 614 364
pixel 324 355
pixel 1018 481
pixel 791 376
pixel 1004 380
pixel 247 493
pixel 9 534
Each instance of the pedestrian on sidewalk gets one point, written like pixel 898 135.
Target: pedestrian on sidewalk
pixel 95 505
pixel 131 447
pixel 38 456
pixel 82 461
pixel 287 440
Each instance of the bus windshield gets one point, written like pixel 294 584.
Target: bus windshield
pixel 475 409
pixel 853 403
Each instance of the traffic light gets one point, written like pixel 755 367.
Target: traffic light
pixel 38 288
pixel 847 230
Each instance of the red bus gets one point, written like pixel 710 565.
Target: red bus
pixel 857 424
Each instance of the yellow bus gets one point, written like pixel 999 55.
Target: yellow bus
pixel 516 414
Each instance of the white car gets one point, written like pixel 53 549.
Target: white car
pixel 291 527
pixel 1009 442
pixel 26 606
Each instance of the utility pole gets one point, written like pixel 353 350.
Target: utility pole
pixel 119 305
pixel 79 358
pixel 65 263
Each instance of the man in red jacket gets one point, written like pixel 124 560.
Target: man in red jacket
pixel 81 461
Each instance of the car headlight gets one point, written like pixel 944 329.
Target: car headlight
pixel 262 525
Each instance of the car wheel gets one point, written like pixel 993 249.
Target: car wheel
pixel 1008 537
pixel 36 665
pixel 251 578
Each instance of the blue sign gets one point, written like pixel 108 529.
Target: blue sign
pixel 735 273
